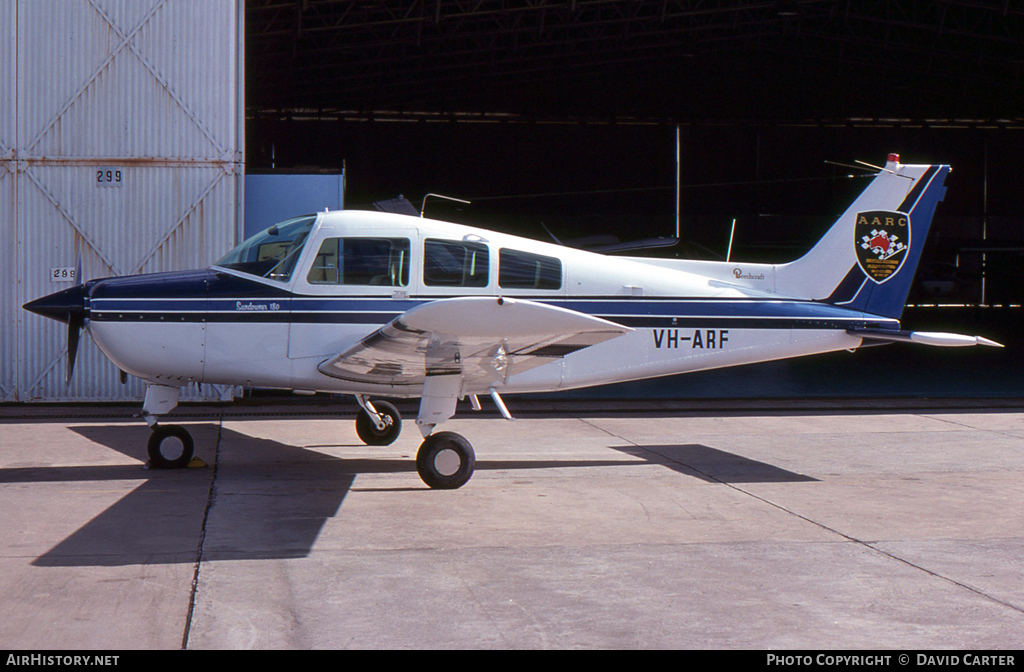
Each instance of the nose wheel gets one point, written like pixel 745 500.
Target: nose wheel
pixel 381 428
pixel 445 461
pixel 170 447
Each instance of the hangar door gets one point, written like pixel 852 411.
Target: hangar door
pixel 121 141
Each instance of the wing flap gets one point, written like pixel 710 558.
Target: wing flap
pixel 483 339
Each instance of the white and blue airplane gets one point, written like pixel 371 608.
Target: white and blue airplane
pixel 386 305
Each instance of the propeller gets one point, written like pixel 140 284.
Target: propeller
pixel 68 306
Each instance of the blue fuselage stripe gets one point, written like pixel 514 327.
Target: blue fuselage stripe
pixel 735 313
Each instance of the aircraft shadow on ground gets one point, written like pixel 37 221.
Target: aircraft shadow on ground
pixel 273 503
pixel 713 465
pixel 271 499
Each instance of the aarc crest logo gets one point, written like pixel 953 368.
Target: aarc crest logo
pixel 881 240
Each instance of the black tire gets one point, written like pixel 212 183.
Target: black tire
pixel 445 461
pixel 367 430
pixel 170 447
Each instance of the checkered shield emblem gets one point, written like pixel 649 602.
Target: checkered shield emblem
pixel 881 240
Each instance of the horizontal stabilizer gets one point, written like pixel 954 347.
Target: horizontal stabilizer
pixel 399 206
pixel 923 337
pixel 631 245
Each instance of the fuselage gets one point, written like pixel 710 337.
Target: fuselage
pixel 245 323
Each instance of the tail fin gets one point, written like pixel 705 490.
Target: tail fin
pixel 868 258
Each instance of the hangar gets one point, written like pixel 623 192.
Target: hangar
pixel 737 122
pixel 562 118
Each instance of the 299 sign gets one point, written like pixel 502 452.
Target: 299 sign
pixel 109 177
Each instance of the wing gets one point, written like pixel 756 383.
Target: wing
pixel 483 339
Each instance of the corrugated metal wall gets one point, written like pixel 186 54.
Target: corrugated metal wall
pixel 122 126
pixel 9 288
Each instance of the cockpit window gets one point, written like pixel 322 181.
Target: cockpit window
pixel 361 261
pixel 272 253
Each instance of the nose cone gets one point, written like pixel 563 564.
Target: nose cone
pixel 60 306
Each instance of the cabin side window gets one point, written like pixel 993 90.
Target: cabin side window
pixel 448 263
pixel 523 270
pixel 361 261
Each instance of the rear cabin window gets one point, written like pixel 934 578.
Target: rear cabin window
pixel 361 261
pixel 448 263
pixel 522 270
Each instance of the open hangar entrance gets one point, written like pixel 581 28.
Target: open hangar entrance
pixel 784 184
pixel 564 119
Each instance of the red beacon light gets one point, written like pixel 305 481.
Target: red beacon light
pixel 894 158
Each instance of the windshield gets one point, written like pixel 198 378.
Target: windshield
pixel 272 253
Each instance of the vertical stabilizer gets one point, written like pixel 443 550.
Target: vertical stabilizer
pixel 868 258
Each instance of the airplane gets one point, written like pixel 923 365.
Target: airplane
pixel 378 304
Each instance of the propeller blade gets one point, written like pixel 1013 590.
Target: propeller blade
pixel 78 259
pixel 74 331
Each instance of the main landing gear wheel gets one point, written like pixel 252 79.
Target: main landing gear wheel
pixel 367 429
pixel 170 447
pixel 445 461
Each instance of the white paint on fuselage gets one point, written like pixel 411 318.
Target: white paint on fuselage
pixel 637 356
pixel 166 353
pixel 286 355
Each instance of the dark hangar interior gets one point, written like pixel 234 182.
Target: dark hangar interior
pixel 561 119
